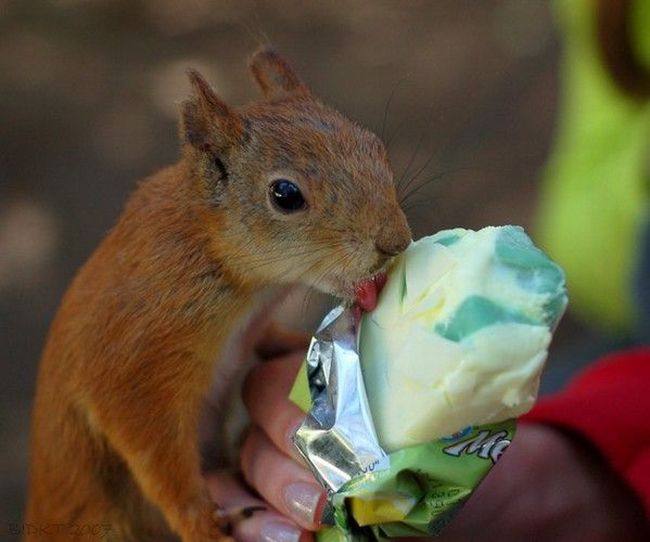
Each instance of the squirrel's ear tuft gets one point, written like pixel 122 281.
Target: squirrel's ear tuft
pixel 206 121
pixel 275 78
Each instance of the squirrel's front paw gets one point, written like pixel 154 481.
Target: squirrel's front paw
pixel 228 518
pixel 201 522
pixel 209 523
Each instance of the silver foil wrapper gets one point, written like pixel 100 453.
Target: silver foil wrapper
pixel 337 437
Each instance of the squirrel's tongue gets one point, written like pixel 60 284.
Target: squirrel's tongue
pixel 367 291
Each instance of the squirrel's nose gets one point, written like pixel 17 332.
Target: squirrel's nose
pixel 394 234
pixel 392 245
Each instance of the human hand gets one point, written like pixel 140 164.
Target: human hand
pixel 292 498
pixel 549 486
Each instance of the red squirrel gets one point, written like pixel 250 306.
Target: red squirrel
pixel 278 192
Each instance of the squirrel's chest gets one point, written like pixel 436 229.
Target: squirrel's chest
pixel 224 415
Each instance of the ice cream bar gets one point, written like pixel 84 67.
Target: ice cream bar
pixel 460 334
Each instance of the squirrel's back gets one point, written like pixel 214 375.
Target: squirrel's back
pixel 145 294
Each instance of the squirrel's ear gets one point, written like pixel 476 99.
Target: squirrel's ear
pixel 206 121
pixel 274 76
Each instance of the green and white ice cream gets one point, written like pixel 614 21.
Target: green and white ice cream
pixel 460 334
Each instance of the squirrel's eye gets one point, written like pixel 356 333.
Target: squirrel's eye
pixel 286 196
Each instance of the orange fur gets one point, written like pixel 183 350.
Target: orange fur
pixel 132 350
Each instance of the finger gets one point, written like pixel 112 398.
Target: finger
pixel 261 527
pixel 283 483
pixel 269 524
pixel 266 395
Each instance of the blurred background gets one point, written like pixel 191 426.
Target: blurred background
pixel 465 90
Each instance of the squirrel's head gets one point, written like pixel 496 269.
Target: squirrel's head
pixel 295 192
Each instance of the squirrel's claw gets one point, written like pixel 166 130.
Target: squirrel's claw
pixel 227 518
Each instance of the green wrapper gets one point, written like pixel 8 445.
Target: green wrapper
pixel 417 490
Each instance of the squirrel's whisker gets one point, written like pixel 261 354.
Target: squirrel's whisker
pixel 387 107
pixel 419 186
pixel 417 174
pixel 414 154
pixel 394 134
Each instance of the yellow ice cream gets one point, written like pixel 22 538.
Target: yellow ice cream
pixel 460 334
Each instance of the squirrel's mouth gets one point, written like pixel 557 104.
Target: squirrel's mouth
pixel 367 291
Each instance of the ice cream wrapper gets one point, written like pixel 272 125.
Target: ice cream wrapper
pixel 374 495
pixel 411 482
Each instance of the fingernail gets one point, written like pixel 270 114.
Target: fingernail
pixel 302 499
pixel 276 531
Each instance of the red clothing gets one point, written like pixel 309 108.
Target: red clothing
pixel 609 404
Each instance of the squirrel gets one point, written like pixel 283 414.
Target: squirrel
pixel 281 191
